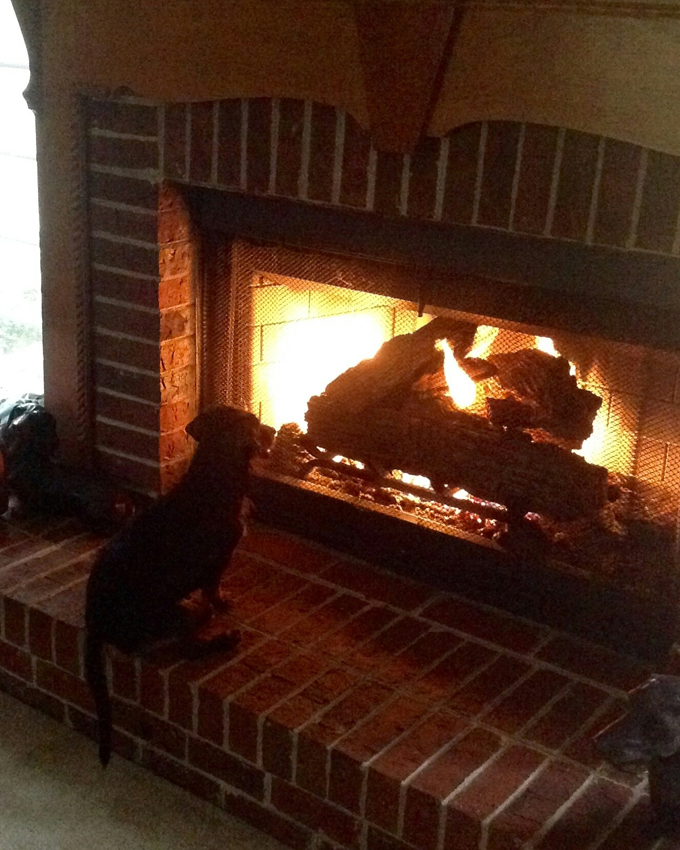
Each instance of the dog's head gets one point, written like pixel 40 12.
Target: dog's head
pixel 231 431
pixel 650 730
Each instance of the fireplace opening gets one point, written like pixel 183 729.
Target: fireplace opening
pixel 531 466
pixel 548 449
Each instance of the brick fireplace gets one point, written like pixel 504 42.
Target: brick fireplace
pixel 192 151
pixel 544 231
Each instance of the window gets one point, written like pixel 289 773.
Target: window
pixel 21 357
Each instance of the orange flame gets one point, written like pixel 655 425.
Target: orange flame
pixel 484 338
pixel 545 344
pixel 462 388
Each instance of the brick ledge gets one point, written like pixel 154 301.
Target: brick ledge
pixel 361 710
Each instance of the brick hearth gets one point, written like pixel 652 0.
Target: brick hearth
pixel 360 710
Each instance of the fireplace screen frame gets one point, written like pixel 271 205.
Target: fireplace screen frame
pixel 229 265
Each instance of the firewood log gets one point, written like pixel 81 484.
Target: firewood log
pixel 464 450
pixel 543 382
pixel 397 365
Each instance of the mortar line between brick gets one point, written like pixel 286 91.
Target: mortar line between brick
pixel 264 637
pixel 107 236
pixel 127 305
pixel 338 154
pixel 146 175
pixel 332 665
pixel 127 396
pixel 533 720
pixel 472 722
pixel 555 181
pixel 120 335
pixel 151 278
pixel 127 427
pixel 33 579
pixel 123 207
pixel 516 175
pixel 126 367
pixel 479 177
pixel 552 820
pixel 442 167
pixel 517 793
pixel 595 195
pixel 69 586
pixel 152 464
pixel 48 550
pixel 515 740
pixel 95 132
pixel 639 792
pixel 540 663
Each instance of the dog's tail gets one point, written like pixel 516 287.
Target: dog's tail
pixel 96 679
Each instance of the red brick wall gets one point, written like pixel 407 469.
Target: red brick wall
pixel 523 178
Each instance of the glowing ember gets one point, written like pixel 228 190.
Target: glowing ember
pixel 462 388
pixel 461 494
pixel 416 480
pixel 357 464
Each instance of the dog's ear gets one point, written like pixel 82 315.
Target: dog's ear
pixel 196 427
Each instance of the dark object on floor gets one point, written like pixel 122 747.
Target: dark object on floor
pixel 650 734
pixel 182 544
pixel 29 442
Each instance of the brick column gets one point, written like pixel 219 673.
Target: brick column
pixel 142 258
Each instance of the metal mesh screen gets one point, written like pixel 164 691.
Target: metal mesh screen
pixel 564 443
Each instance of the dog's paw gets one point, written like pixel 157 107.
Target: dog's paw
pixel 201 645
pixel 220 600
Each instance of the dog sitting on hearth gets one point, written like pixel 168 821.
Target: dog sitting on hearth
pixel 137 591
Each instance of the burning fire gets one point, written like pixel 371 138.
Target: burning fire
pixel 484 338
pixel 545 344
pixel 462 388
pixel 309 354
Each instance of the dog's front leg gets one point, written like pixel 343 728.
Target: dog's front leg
pixel 216 595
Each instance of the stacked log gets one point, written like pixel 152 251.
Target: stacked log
pixel 394 412
pixel 464 450
pixel 542 394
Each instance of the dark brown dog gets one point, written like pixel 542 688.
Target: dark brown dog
pixel 182 544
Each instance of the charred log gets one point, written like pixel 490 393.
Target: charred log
pixel 464 450
pixel 399 363
pixel 549 395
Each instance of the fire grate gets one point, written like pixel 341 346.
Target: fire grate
pixel 546 445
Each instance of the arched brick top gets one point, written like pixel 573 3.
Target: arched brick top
pixel 527 178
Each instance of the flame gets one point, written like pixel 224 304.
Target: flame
pixel 545 344
pixel 592 448
pixel 462 388
pixel 309 354
pixel 484 337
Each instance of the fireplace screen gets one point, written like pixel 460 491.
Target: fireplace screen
pixel 533 440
